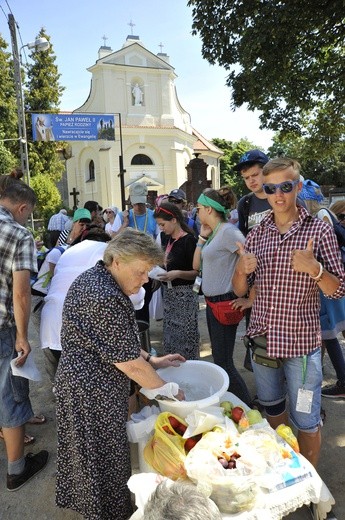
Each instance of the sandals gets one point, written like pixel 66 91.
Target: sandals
pixel 37 419
pixel 28 439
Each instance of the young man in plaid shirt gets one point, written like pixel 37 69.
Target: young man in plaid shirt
pixel 17 259
pixel 289 257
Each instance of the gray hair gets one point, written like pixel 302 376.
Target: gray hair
pixel 132 245
pixel 281 164
pixel 180 501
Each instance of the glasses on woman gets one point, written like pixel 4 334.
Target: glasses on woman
pixel 284 187
pixel 341 216
pixel 109 211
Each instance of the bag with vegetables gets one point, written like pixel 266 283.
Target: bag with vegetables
pixel 166 451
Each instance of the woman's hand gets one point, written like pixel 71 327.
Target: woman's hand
pixel 205 230
pixel 170 360
pixel 170 275
pixel 242 303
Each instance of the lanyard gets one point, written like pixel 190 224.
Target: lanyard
pixel 145 224
pixel 171 244
pixel 212 235
pixel 304 370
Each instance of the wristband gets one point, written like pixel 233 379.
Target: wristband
pixel 204 239
pixel 318 277
pixel 200 245
pixel 149 356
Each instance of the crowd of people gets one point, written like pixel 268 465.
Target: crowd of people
pixel 271 258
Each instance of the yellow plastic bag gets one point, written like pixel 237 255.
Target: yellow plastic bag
pixel 165 451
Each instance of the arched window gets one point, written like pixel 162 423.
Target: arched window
pixel 91 171
pixel 141 159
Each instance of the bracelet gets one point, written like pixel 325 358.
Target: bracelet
pixel 149 356
pixel 200 245
pixel 318 277
pixel 204 239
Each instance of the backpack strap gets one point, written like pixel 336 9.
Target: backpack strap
pixel 246 208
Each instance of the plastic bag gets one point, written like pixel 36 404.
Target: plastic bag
pixel 165 451
pixel 233 490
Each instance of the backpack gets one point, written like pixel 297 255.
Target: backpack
pixel 339 231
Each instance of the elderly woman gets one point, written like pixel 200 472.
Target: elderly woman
pixel 100 352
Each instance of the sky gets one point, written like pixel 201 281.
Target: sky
pixel 76 28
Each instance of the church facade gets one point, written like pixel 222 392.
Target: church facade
pixel 154 138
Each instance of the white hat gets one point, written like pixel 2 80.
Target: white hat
pixel 138 193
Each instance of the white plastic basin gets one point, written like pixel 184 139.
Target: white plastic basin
pixel 204 384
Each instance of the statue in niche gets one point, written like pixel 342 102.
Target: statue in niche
pixel 138 95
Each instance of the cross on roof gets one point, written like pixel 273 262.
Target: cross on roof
pixel 161 46
pixel 105 38
pixel 131 25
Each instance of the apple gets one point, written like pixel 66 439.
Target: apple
pixel 254 416
pixel 236 414
pixel 191 442
pixel 227 405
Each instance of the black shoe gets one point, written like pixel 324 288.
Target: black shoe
pixel 336 391
pixel 33 465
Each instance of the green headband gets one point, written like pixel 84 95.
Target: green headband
pixel 206 201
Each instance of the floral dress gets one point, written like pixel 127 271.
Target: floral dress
pixel 93 461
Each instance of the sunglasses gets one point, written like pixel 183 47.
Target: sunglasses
pixel 341 216
pixel 109 211
pixel 198 208
pixel 175 201
pixel 284 187
pixel 159 210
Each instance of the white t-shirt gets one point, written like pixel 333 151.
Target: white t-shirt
pixel 72 263
pixel 114 227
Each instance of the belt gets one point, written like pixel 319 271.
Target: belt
pixel 222 297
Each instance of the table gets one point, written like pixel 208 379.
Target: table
pixel 277 504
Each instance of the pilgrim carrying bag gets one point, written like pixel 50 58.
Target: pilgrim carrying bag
pixel 258 346
pixel 224 312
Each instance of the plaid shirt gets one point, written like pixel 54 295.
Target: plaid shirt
pixel 287 304
pixel 17 253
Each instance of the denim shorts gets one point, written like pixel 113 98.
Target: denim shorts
pixel 15 407
pixel 275 384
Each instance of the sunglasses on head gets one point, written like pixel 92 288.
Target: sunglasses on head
pixel 175 201
pixel 284 187
pixel 159 209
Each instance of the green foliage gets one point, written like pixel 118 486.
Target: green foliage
pixel 43 93
pixel 323 169
pixel 48 195
pixel 8 110
pixel 233 151
pixel 285 59
pixel 7 160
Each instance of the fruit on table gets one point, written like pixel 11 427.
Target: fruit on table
pixel 236 413
pixel 179 427
pixel 286 433
pixel 254 416
pixel 227 405
pixel 191 442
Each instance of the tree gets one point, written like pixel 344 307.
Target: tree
pixel 43 93
pixel 233 151
pixel 328 171
pixel 8 112
pixel 284 58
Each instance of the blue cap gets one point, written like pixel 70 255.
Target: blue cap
pixel 251 157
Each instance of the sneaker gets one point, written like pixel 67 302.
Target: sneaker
pixel 33 465
pixel 334 391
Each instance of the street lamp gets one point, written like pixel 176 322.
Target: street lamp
pixel 40 44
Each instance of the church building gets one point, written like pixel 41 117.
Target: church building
pixel 154 138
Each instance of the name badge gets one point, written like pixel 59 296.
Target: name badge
pixel 304 400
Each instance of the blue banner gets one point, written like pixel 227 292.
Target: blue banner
pixel 73 127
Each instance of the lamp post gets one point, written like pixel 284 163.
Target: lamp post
pixel 41 44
